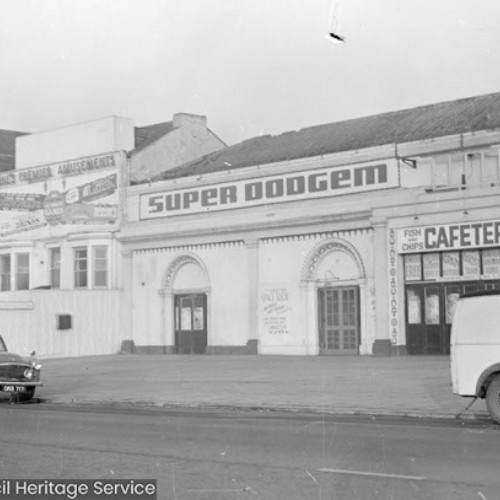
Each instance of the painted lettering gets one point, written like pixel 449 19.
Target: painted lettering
pixel 274 188
pixel 340 179
pixel 207 197
pixel 315 185
pixel 429 235
pixel 376 174
pixel 228 195
pixel 155 204
pixel 295 185
pixel 253 191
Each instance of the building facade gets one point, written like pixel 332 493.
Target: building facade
pixel 62 203
pixel 348 238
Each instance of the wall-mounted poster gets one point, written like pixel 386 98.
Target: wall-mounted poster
pixel 431 266
pixel 471 268
pixel 451 265
pixel 413 267
pixel 275 311
pixel 491 263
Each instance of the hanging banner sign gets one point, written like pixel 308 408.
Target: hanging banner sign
pixel 26 222
pixel 81 213
pixel 321 183
pixel 64 169
pixel 94 190
pixel 21 201
pixel 449 237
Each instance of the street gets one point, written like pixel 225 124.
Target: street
pixel 210 455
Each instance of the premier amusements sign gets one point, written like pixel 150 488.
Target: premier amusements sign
pixel 320 183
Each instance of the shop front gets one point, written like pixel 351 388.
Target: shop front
pixel 442 262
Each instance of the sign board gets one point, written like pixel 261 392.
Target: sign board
pixel 64 169
pixel 275 311
pixel 320 183
pixel 458 236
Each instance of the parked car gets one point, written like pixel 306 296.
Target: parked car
pixel 475 348
pixel 18 375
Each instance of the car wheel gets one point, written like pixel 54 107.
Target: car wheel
pixel 28 394
pixel 493 399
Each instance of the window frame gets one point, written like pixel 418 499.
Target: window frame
pixel 55 270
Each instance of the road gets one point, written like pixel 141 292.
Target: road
pixel 218 456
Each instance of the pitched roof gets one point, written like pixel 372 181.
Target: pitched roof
pixel 144 136
pixel 425 122
pixel 8 149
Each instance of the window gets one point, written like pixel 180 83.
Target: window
pixel 478 168
pixel 22 271
pixel 55 267
pixel 81 267
pixel 5 272
pixel 100 266
pixel 91 266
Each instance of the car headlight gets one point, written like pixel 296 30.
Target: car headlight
pixel 36 365
pixel 28 373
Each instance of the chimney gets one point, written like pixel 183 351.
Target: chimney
pixel 189 120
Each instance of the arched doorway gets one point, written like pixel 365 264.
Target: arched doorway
pixel 337 272
pixel 186 283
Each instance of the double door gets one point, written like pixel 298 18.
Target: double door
pixel 338 315
pixel 191 323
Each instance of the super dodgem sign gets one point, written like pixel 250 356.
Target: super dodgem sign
pixel 333 181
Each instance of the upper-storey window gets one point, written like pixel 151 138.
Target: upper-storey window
pixel 5 272
pixel 14 271
pixel 22 271
pixel 472 169
pixel 91 266
pixel 55 267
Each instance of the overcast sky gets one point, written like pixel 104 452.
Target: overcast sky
pixel 252 66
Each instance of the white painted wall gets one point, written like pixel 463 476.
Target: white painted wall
pixel 90 138
pixel 280 265
pixel 227 295
pixel 29 322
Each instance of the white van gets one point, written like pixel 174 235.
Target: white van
pixel 475 348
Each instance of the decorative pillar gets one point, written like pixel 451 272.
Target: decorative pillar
pixel 309 292
pixel 252 246
pixel 127 313
pixel 381 259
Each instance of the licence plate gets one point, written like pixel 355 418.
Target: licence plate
pixel 14 388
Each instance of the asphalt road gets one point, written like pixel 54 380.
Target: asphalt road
pixel 217 456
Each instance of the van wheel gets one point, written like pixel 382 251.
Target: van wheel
pixel 493 399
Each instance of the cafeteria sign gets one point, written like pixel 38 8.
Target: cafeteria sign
pixel 449 237
pixel 320 183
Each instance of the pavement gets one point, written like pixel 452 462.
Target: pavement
pixel 413 386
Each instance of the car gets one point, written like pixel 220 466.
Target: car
pixel 475 349
pixel 19 375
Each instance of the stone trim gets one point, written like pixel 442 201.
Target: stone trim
pixel 316 236
pixel 187 248
pixel 311 263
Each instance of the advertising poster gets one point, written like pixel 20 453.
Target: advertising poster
pixel 74 206
pixel 275 311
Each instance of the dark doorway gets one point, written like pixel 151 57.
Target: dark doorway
pixel 429 313
pixel 338 310
pixel 191 323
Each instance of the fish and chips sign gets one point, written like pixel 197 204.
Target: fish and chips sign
pixel 320 183
pixel 458 236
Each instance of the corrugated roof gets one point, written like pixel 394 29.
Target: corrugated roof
pixel 8 149
pixel 144 136
pixel 415 124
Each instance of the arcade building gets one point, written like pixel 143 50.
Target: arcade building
pixel 348 238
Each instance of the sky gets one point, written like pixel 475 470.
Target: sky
pixel 253 67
